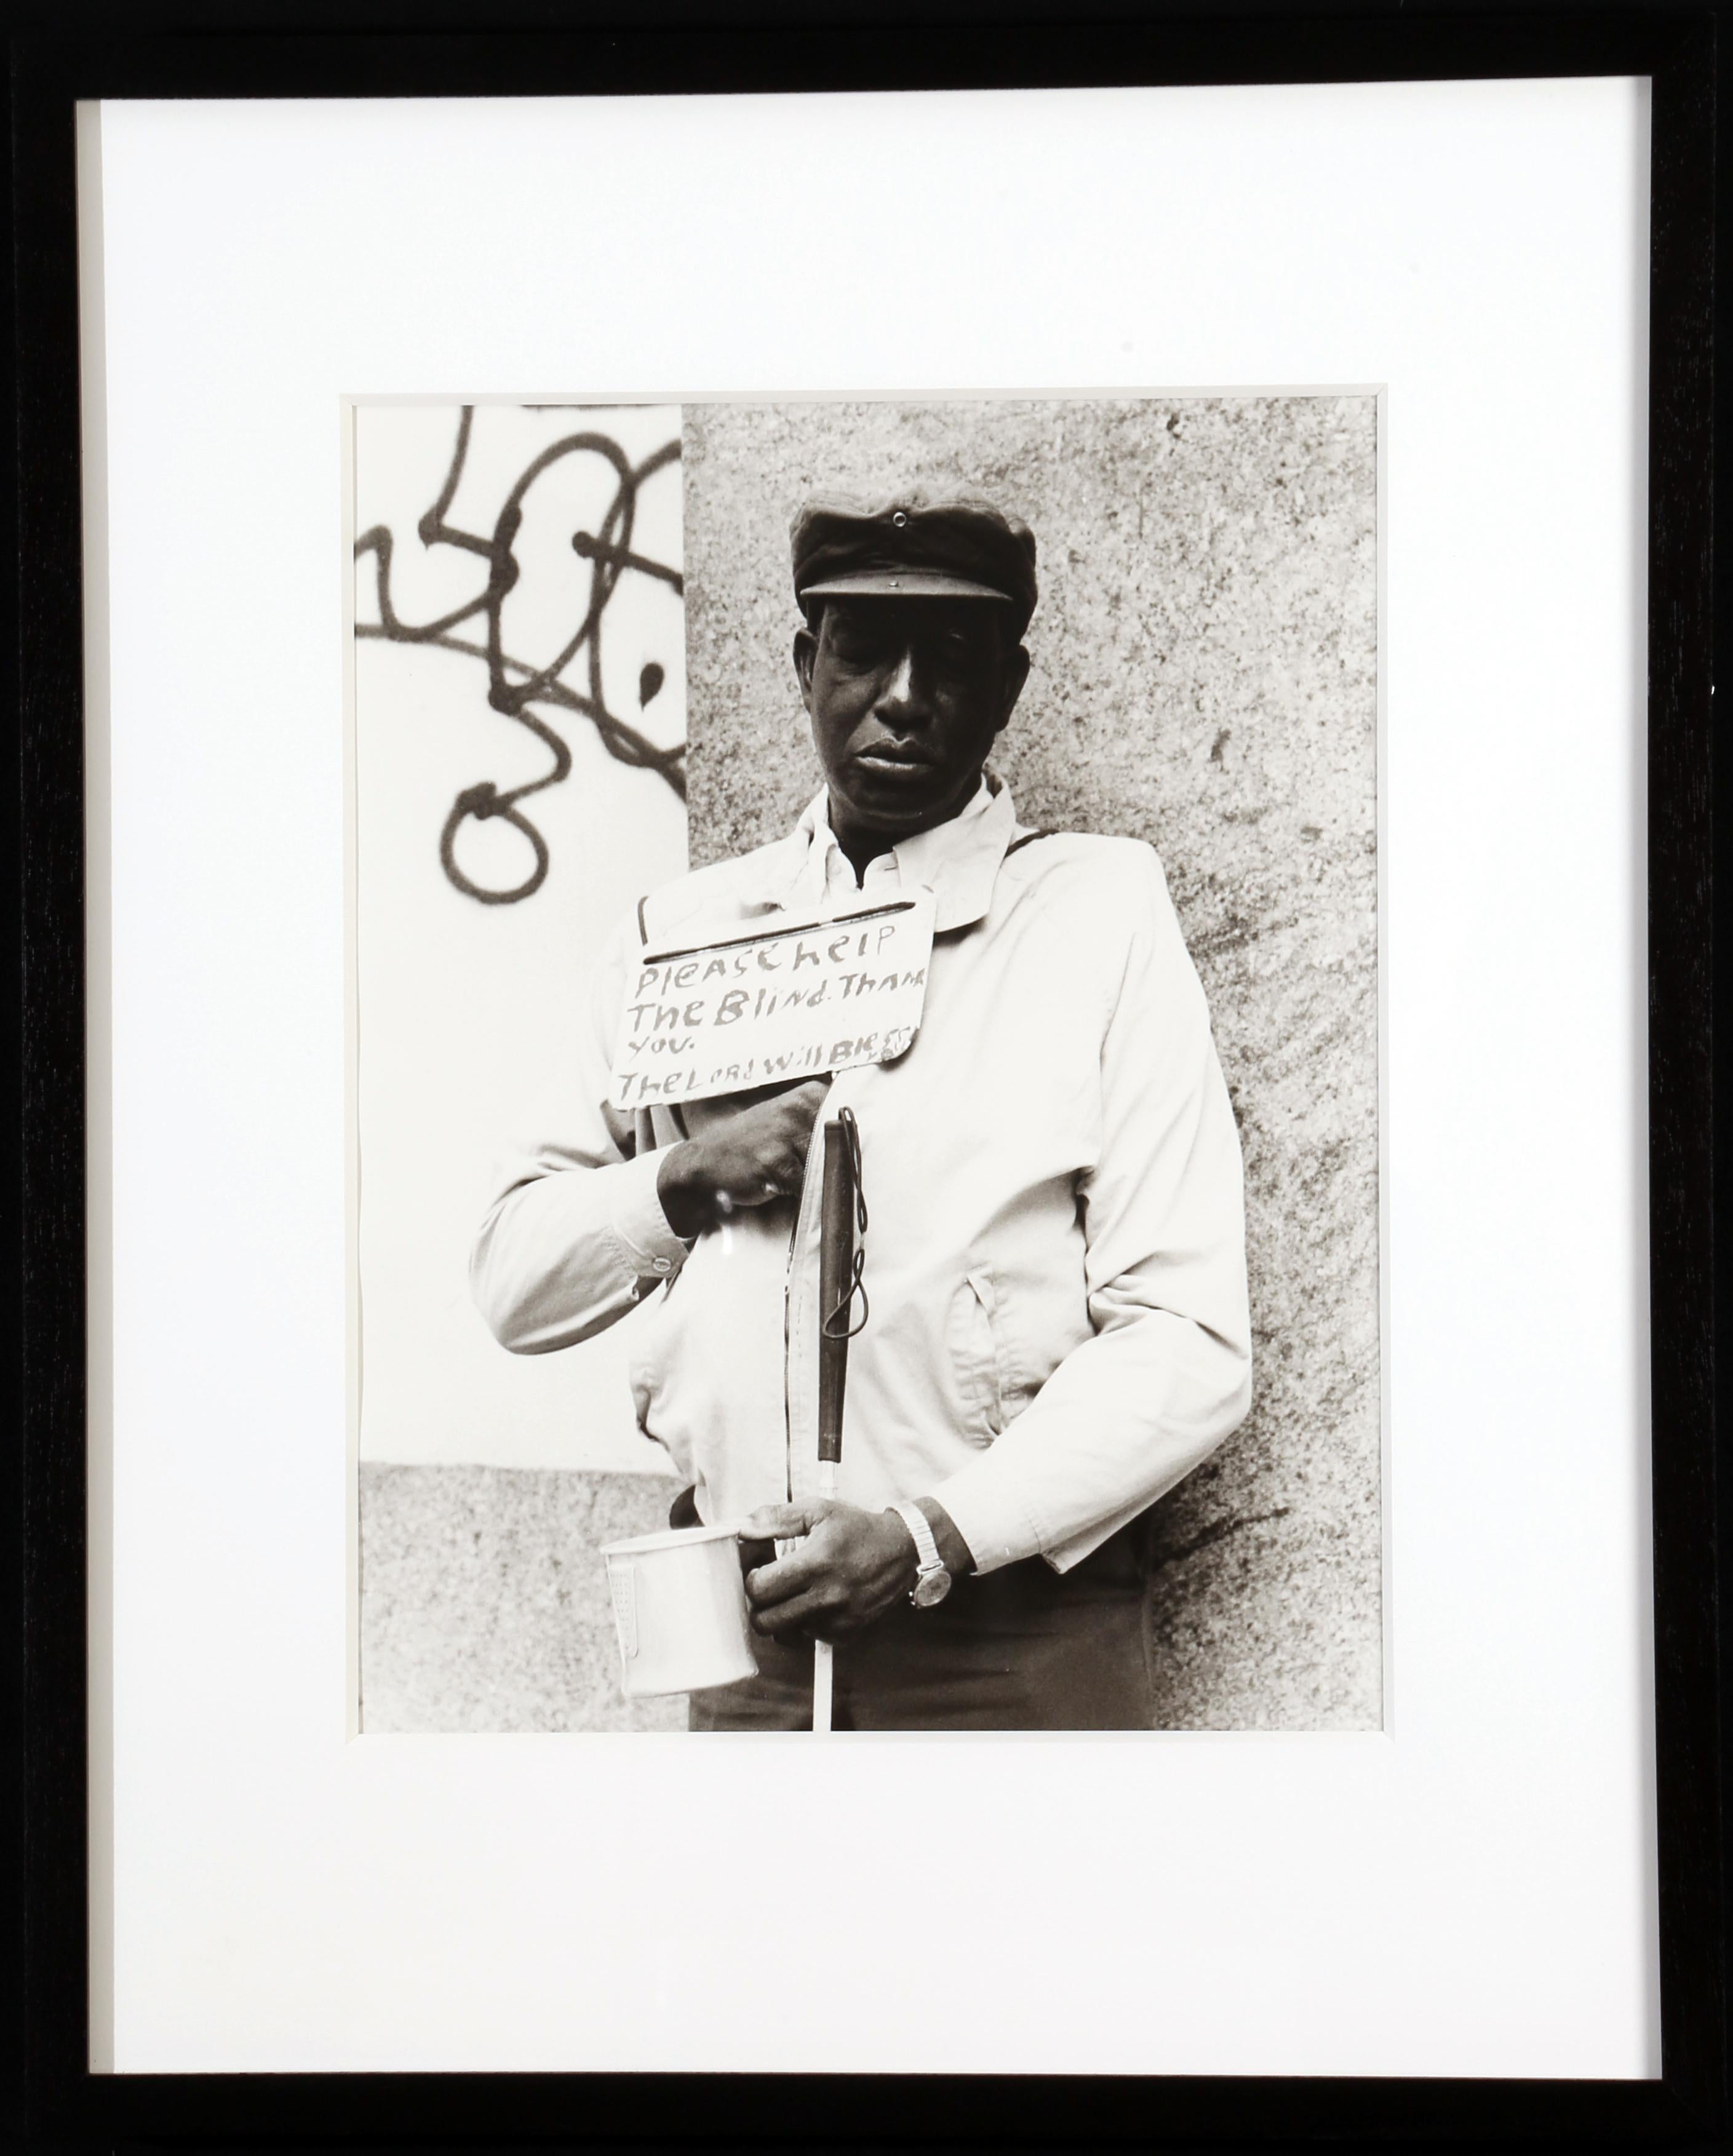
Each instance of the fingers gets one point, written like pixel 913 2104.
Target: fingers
pixel 787 1577
pixel 810 1604
pixel 762 1155
pixel 779 1522
pixel 788 1126
pixel 817 1614
pixel 780 1178
pixel 752 1553
pixel 811 1559
pixel 819 1589
pixel 775 1167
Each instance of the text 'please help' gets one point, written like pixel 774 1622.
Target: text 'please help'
pixel 757 1010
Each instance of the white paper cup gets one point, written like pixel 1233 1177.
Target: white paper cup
pixel 680 1611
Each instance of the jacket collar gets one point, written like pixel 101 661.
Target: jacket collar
pixel 958 861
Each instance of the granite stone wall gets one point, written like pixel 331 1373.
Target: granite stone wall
pixel 484 1603
pixel 1205 677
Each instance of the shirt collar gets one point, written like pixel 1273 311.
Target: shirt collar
pixel 958 860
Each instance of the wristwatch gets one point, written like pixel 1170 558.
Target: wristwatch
pixel 932 1582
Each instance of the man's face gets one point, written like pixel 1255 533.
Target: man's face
pixel 907 698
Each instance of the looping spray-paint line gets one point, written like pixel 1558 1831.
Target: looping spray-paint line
pixel 512 684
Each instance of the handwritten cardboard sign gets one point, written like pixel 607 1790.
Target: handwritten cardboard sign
pixel 782 1005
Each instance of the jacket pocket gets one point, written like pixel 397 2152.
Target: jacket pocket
pixel 647 1350
pixel 974 1353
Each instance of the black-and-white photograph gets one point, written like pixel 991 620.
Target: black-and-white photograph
pixel 865 1088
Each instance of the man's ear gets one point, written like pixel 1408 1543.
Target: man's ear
pixel 805 652
pixel 1016 673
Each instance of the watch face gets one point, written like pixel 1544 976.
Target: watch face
pixel 929 1588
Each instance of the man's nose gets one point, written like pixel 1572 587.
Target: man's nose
pixel 904 700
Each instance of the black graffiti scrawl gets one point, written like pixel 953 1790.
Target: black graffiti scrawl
pixel 514 686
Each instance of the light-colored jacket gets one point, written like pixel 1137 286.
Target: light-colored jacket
pixel 1055 1257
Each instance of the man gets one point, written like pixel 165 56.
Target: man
pixel 1055 1256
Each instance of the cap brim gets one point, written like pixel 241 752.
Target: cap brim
pixel 902 584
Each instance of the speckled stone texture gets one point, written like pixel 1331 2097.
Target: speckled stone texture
pixel 1205 677
pixel 484 1603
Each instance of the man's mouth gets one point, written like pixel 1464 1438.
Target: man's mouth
pixel 888 755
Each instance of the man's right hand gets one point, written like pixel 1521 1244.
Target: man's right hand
pixel 757 1155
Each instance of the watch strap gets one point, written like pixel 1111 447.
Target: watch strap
pixel 927 1556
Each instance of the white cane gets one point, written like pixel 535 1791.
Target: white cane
pixel 838 1278
pixel 823 1656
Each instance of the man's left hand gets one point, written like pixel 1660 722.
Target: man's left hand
pixel 850 1566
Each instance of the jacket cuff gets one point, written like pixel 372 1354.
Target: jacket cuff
pixel 648 1245
pixel 988 1518
pixel 1074 1548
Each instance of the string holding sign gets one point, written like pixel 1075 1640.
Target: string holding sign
pixel 784 1003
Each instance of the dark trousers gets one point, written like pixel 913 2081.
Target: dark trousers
pixel 1024 1648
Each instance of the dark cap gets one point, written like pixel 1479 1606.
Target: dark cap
pixel 914 548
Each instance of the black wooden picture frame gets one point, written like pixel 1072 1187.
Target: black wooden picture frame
pixel 428 50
